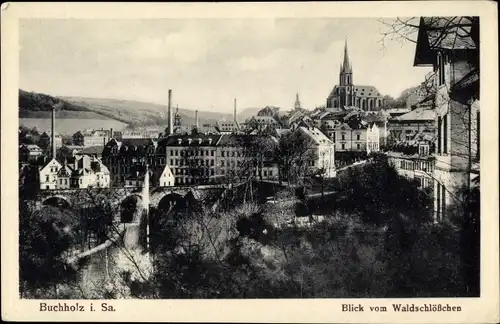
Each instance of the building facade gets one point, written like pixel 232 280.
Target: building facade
pixel 455 62
pixel 321 151
pixel 91 138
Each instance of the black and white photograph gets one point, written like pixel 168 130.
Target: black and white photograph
pixel 250 158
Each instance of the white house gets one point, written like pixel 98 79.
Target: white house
pixel 322 149
pixel 48 175
pixel 372 138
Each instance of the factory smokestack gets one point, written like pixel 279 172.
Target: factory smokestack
pixel 196 118
pixel 53 132
pixel 170 121
pixel 235 110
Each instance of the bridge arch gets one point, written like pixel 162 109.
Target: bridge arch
pixel 130 208
pixel 57 201
pixel 170 201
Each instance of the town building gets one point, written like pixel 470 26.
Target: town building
pixel 159 176
pixel 45 141
pixel 29 153
pixel 346 94
pixel 320 152
pixel 372 138
pixel 417 167
pixel 84 172
pixel 91 137
pixel 451 46
pixel 407 126
pixel 121 156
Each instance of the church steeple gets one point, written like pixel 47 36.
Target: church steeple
pixel 346 66
pixel 346 69
pixel 297 101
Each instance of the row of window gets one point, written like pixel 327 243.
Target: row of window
pixel 408 165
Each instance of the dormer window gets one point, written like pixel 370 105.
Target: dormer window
pixel 209 141
pixel 179 141
pixel 190 140
pixel 200 141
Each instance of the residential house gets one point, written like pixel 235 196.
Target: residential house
pixel 450 45
pixel 121 156
pixel 406 126
pixel 91 137
pixel 159 176
pixel 48 175
pixel 321 150
pixel 29 152
pixel 46 140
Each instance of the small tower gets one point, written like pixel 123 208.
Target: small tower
pixel 297 101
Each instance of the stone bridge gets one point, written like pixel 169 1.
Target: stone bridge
pixel 82 198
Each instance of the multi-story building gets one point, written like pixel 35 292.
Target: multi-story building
pixel 121 156
pixel 407 126
pixel 372 138
pixel 46 140
pixel 321 151
pixel 192 159
pixel 346 94
pixel 159 176
pixel 451 46
pixel 84 172
pixel 91 137
pixel 417 167
pixel 29 152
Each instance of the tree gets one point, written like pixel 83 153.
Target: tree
pixel 294 153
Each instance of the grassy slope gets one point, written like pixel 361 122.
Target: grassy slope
pixel 134 113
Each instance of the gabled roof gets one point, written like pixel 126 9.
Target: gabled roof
pixel 448 33
pixel 366 91
pixel 32 147
pixel 315 135
pixel 418 114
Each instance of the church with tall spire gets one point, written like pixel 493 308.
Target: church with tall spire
pixel 346 94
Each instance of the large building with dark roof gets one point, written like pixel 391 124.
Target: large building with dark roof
pixel 346 94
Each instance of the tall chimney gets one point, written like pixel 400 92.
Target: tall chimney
pixel 170 122
pixel 234 109
pixel 53 132
pixel 196 118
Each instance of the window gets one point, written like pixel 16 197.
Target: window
pixel 343 146
pixel 333 136
pixel 270 173
pixel 212 153
pixel 212 162
pixel 222 163
pixel 358 137
pixel 222 153
pixel 440 67
pixel 343 136
pixel 47 178
pixel 171 162
pixel 265 173
pixel 445 134
pixel 440 122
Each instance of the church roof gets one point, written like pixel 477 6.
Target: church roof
pixel 366 91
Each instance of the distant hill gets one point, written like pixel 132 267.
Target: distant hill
pixel 133 113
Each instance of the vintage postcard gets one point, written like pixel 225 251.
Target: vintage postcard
pixel 250 162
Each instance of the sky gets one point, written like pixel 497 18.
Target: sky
pixel 208 62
